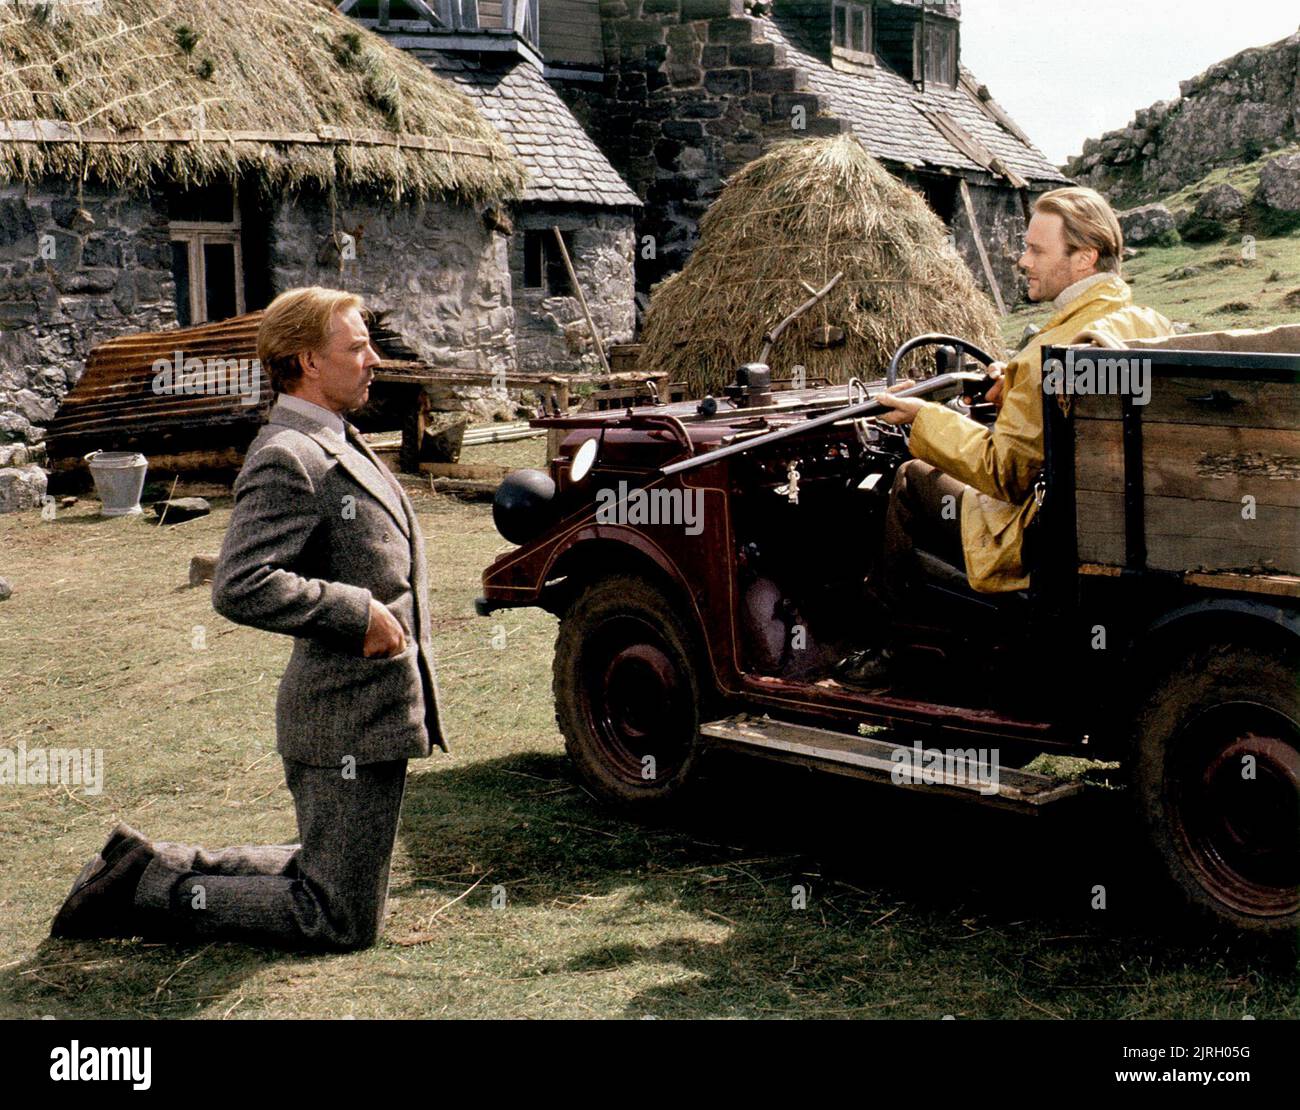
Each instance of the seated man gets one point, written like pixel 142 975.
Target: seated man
pixel 968 493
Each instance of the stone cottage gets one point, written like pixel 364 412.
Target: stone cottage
pixel 496 54
pixel 247 156
pixel 691 90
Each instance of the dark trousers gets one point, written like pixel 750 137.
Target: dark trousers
pixel 329 891
pixel 924 514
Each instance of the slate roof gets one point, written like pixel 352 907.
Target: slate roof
pixel 564 165
pixel 883 111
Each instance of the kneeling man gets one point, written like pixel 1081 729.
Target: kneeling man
pixel 324 546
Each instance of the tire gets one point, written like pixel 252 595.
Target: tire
pixel 1229 842
pixel 628 693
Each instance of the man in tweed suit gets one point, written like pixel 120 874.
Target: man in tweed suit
pixel 324 546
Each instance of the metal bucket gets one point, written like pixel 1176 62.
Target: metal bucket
pixel 119 480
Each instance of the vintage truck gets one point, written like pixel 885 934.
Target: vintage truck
pixel 706 561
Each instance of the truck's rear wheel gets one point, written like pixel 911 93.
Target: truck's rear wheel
pixel 627 692
pixel 1216 774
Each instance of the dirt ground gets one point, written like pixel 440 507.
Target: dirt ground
pixel 514 894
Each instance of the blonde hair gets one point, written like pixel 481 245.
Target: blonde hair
pixel 298 320
pixel 1088 222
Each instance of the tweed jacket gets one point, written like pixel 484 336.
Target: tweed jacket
pixel 319 528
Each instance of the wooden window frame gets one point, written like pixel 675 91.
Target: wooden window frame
pixel 195 235
pixel 865 56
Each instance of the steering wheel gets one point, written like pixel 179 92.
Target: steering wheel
pixel 934 339
pixel 931 339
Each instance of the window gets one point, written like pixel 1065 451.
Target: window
pixel 940 51
pixel 851 30
pixel 207 259
pixel 544 265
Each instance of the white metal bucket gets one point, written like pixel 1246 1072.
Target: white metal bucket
pixel 119 480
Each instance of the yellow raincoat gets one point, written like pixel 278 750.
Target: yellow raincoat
pixel 1002 463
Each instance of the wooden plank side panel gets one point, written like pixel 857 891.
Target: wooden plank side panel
pixel 1193 400
pixel 1206 464
pixel 1188 535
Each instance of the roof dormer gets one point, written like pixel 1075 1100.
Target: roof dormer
pixel 468 26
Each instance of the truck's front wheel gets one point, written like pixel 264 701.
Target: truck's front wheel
pixel 627 692
pixel 1216 773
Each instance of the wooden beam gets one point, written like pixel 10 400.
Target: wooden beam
pixel 979 245
pixel 347 6
pixel 582 300
pixel 56 131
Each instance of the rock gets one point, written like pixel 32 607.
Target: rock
pixel 443 432
pixel 13 454
pixel 21 487
pixel 181 508
pixel 1185 272
pixel 1223 202
pixel 6 590
pixel 202 568
pixel 1279 184
pixel 1147 224
pixel 67 502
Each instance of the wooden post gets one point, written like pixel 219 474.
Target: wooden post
pixel 573 280
pixel 979 246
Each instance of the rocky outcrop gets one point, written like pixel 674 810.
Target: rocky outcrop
pixel 1150 223
pixel 1279 185
pixel 1234 112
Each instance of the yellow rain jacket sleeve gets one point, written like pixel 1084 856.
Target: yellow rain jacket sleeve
pixel 1002 463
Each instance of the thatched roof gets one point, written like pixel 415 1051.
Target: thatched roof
pixel 802 212
pixel 133 92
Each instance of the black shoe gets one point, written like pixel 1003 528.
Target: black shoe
pixel 870 669
pixel 101 902
pixel 121 839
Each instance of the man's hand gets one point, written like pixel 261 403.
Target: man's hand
pixel 994 394
pixel 384 636
pixel 905 408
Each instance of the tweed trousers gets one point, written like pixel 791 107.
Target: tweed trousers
pixel 328 891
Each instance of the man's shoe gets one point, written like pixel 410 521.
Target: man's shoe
pixel 870 669
pixel 101 903
pixel 121 839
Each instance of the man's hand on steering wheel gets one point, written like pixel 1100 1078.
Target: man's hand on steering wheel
pixel 994 395
pixel 904 409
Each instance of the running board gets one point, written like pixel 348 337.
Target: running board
pixel 954 772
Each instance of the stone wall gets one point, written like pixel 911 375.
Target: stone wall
pixel 1233 112
pixel 438 269
pixel 551 334
pixel 72 274
pixel 691 95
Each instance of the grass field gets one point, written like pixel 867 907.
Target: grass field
pixel 514 894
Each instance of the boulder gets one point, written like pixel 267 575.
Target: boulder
pixel 1147 224
pixel 1223 202
pixel 178 509
pixel 6 590
pixel 21 487
pixel 1279 184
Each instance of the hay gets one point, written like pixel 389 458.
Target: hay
pixel 803 211
pixel 261 66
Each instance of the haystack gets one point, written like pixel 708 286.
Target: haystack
pixel 288 93
pixel 801 213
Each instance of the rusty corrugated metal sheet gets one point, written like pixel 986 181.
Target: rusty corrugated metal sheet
pixel 115 405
